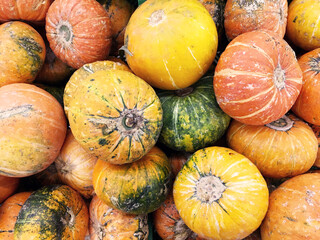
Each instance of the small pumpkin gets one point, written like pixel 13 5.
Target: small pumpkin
pixel 170 44
pixel 22 53
pixel 220 194
pixel 249 15
pixel 283 148
pixel 257 78
pixel 8 185
pixel 78 31
pixel 135 188
pixel 292 212
pixel 52 212
pixel 115 115
pixel 108 223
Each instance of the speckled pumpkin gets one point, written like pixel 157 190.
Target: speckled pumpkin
pixel 33 127
pixel 116 116
pixel 8 185
pixel 136 188
pixel 52 212
pixel 220 194
pixel 108 223
pixel 22 53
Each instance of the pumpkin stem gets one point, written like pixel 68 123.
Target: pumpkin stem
pixel 64 34
pixel 130 120
pixel 69 218
pixel 279 77
pixel 314 63
pixel 283 124
pixel 209 189
pixel 157 17
pixel 184 91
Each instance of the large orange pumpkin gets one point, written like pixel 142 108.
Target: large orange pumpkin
pixel 257 78
pixel 78 31
pixel 170 44
pixel 316 130
pixel 307 105
pixel 8 185
pixel 32 128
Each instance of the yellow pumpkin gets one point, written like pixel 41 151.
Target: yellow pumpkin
pixel 170 44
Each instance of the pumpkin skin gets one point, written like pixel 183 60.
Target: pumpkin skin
pixel 9 211
pixel 108 223
pixel 8 185
pixel 75 166
pixel 52 212
pixel 316 130
pixel 22 53
pixel 49 176
pixel 292 214
pixel 303 25
pixel 136 188
pixel 78 31
pixel 56 92
pixel 307 104
pixel 192 119
pixel 261 83
pixel 33 127
pixel 185 26
pixel 220 194
pixel 116 116
pixel 178 159
pixel 284 148
pixel 246 16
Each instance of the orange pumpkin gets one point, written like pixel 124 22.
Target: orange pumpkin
pixel 33 127
pixel 257 78
pixel 246 16
pixel 307 105
pixel 283 148
pixel 8 185
pixel 75 166
pixel 293 212
pixel 316 130
pixel 178 159
pixel 78 31
pixel 22 53
pixel 108 223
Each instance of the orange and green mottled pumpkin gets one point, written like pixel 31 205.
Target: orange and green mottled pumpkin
pixel 170 44
pixel 220 194
pixel 116 116
pixel 8 185
pixel 136 188
pixel 52 212
pixel 108 223
pixel 22 53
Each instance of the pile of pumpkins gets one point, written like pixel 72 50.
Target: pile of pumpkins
pixel 160 119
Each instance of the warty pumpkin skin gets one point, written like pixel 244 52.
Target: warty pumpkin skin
pixel 107 223
pixel 32 128
pixel 220 194
pixel 8 185
pixel 257 78
pixel 135 188
pixel 116 116
pixel 22 53
pixel 284 148
pixel 170 44
pixel 52 212
pixel 78 31
pixel 293 212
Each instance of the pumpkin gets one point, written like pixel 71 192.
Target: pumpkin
pixel 27 10
pixel 303 28
pixel 316 130
pixel 52 212
pixel 22 53
pixel 136 188
pixel 170 44
pixel 246 16
pixel 192 119
pixel 8 185
pixel 56 92
pixel 9 211
pixel 33 127
pixel 49 176
pixel 220 194
pixel 78 31
pixel 307 104
pixel 292 212
pixel 177 160
pixel 284 148
pixel 115 116
pixel 75 166
pixel 108 223
pixel 257 78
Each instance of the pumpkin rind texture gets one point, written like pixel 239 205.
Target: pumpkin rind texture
pixel 136 188
pixel 53 212
pixel 257 79
pixel 22 53
pixel 292 213
pixel 220 194
pixel 183 39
